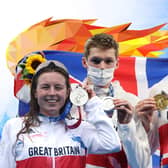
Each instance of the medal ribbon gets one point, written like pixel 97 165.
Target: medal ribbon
pixel 111 94
pixel 111 91
pixel 78 122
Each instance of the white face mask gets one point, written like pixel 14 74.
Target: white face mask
pixel 100 77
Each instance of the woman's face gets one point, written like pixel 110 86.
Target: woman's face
pixel 51 93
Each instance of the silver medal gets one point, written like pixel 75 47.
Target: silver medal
pixel 108 104
pixel 78 96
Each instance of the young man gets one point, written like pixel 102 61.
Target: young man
pixel 101 59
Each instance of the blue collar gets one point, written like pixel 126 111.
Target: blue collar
pixel 62 116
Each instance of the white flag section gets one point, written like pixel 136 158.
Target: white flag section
pixel 142 82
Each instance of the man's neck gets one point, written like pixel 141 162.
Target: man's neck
pixel 101 91
pixel 105 86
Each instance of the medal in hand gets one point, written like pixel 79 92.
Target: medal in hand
pixel 108 105
pixel 161 101
pixel 78 96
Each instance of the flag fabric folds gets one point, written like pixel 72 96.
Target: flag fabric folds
pixel 136 74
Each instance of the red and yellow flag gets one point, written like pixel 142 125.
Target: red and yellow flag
pixel 71 34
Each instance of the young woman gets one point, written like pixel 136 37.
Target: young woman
pixel 42 137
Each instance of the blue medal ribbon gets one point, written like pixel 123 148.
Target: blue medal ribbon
pixel 111 94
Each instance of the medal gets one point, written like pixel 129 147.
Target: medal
pixel 161 101
pixel 78 96
pixel 108 104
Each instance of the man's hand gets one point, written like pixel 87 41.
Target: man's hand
pixel 124 110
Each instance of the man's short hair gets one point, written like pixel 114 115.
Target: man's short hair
pixel 102 41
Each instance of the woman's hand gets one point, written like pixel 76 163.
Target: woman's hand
pixel 88 86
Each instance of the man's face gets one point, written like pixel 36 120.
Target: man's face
pixel 100 58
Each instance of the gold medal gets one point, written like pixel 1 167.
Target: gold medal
pixel 161 101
